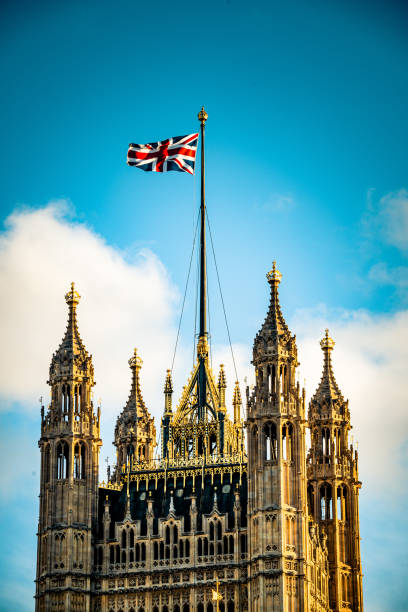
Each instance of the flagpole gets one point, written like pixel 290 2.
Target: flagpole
pixel 218 598
pixel 202 345
pixel 202 116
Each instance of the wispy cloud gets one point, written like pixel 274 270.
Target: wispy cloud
pixel 386 219
pixel 279 203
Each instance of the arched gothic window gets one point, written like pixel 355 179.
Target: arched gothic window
pixel 287 431
pixel 270 442
pixel 326 511
pixel 66 400
pixel 326 445
pixel 219 531
pixel 62 454
pixel 79 460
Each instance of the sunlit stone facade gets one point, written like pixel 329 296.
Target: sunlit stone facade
pixel 226 498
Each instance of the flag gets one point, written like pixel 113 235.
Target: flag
pixel 177 153
pixel 216 596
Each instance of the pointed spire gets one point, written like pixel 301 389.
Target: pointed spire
pixel 237 403
pixel 135 403
pixel 274 321
pixel 71 343
pixel 328 389
pixel 274 330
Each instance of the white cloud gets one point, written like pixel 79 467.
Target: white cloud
pixel 370 360
pixel 133 303
pixel 124 304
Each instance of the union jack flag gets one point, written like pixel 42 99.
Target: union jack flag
pixel 171 154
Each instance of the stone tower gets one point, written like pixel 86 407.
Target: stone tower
pixel 333 487
pixel 135 433
pixel 277 520
pixel 69 447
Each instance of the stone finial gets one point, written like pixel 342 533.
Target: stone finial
pixel 72 297
pixel 274 276
pixel 135 361
pixel 327 343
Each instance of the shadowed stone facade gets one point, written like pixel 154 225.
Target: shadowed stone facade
pixel 229 498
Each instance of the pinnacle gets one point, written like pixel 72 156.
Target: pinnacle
pixel 328 388
pixel 71 343
pixel 135 406
pixel 168 385
pixel 274 322
pixel 236 399
pixel 222 381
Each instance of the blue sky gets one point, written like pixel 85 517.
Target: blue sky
pixel 306 164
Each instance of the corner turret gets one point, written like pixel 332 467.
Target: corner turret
pixel 135 433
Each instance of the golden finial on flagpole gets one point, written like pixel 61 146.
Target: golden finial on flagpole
pixel 202 116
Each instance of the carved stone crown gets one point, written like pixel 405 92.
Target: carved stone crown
pixel 274 276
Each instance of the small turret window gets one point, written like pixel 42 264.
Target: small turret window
pixel 326 447
pixel 47 461
pixel 62 454
pixel 326 509
pixel 287 431
pixel 310 499
pixel 255 442
pixel 219 531
pixel 270 442
pixel 79 461
pixel 66 401
pixel 129 453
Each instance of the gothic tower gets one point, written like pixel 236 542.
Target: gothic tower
pixel 283 545
pixel 333 487
pixel 276 466
pixel 135 433
pixel 69 447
